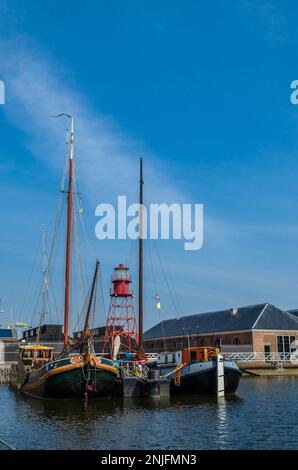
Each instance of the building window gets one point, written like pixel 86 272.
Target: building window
pixel 236 341
pixel 202 342
pixel 286 344
pixel 217 342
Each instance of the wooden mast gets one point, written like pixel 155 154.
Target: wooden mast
pixel 141 354
pixel 86 331
pixel 68 239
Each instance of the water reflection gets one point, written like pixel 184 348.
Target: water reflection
pixel 182 422
pixel 222 421
pixel 80 409
pixel 203 400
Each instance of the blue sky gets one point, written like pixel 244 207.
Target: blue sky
pixel 202 91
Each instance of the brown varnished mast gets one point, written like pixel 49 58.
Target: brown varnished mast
pixel 68 239
pixel 86 332
pixel 141 353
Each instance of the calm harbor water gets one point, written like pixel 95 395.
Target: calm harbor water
pixel 263 415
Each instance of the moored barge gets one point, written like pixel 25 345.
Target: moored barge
pixel 194 371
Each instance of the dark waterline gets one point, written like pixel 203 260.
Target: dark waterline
pixel 263 415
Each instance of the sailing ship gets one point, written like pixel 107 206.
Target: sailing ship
pixel 77 372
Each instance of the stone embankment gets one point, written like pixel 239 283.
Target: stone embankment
pixel 4 373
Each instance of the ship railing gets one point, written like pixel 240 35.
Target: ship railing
pixel 151 355
pixel 272 357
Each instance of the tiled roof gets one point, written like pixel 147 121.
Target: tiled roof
pixel 294 312
pixel 262 316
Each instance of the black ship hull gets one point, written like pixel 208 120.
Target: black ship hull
pixel 201 379
pixel 205 383
pixel 65 380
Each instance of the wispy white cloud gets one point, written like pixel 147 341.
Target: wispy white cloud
pixel 107 159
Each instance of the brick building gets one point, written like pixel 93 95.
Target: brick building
pixel 47 333
pixel 8 334
pixel 257 328
pixel 8 344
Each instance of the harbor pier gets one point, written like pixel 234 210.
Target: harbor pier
pixel 151 386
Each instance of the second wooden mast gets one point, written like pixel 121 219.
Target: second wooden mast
pixel 68 238
pixel 141 353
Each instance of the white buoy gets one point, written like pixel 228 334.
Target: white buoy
pixel 220 376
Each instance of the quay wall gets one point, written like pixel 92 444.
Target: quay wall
pixel 265 365
pixel 4 373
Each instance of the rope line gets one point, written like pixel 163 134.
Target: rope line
pixel 5 444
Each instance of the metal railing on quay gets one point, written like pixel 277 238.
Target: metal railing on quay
pixel 261 357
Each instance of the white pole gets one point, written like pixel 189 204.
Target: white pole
pixel 2 352
pixel 220 376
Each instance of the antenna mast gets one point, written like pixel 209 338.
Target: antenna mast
pixel 45 287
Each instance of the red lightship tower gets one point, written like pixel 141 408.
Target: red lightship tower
pixel 121 317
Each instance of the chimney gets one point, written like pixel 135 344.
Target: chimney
pixel 234 311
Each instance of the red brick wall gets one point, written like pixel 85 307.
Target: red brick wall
pixel 262 338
